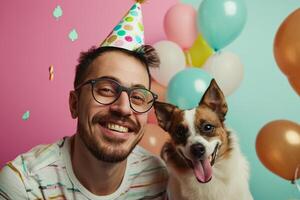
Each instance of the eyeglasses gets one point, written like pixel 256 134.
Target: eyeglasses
pixel 106 91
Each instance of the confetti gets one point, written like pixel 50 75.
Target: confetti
pixel 73 35
pixel 51 73
pixel 57 13
pixel 26 115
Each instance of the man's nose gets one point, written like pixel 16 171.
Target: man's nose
pixel 122 105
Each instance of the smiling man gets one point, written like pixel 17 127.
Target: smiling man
pixel 110 101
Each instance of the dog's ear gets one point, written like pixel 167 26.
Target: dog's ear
pixel 164 112
pixel 215 100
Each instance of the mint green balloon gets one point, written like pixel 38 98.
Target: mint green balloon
pixel 221 21
pixel 187 87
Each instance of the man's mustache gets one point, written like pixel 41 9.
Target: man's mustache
pixel 126 121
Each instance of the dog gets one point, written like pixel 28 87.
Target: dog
pixel 203 157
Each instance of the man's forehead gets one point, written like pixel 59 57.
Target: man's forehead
pixel 125 69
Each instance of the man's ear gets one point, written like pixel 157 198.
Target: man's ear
pixel 73 104
pixel 215 100
pixel 164 113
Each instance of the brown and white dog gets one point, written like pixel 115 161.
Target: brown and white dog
pixel 203 158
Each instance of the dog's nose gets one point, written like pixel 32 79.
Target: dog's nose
pixel 197 150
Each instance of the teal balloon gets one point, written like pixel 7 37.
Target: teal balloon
pixel 221 21
pixel 187 87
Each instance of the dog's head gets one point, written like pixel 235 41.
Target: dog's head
pixel 198 135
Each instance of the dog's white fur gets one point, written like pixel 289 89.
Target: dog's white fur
pixel 229 181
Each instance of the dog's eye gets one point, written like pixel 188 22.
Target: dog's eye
pixel 181 131
pixel 207 128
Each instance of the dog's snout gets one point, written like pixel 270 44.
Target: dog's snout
pixel 198 150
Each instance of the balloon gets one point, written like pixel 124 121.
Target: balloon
pixel 194 3
pixel 198 53
pixel 180 25
pixel 278 147
pixel 152 117
pixel 187 87
pixel 154 139
pixel 287 45
pixel 161 92
pixel 295 83
pixel 172 60
pixel 221 21
pixel 227 69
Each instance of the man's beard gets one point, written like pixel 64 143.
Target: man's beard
pixel 110 150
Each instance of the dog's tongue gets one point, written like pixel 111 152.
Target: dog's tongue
pixel 202 170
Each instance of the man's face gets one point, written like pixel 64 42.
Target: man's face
pixel 110 132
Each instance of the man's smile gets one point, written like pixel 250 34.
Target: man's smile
pixel 116 127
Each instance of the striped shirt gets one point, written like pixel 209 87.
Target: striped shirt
pixel 45 172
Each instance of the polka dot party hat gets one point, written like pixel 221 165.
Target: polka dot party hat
pixel 129 33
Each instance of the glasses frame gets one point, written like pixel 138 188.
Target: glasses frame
pixel 121 88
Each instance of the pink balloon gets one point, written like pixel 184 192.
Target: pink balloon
pixel 180 25
pixel 154 139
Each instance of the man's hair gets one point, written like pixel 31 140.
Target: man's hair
pixel 146 54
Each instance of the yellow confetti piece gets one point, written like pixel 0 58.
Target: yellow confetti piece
pixel 51 72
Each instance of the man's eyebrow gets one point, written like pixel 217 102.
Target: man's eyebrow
pixel 117 80
pixel 111 77
pixel 139 86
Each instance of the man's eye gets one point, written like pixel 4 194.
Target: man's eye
pixel 105 91
pixel 137 99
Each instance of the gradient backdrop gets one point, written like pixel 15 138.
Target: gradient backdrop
pixel 32 39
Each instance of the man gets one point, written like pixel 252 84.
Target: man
pixel 110 100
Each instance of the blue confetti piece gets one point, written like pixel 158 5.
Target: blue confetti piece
pixel 26 115
pixel 57 13
pixel 73 35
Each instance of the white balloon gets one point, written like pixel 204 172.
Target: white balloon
pixel 172 60
pixel 227 70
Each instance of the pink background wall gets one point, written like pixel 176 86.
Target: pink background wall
pixel 31 40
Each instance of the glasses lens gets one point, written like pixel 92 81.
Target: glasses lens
pixel 141 99
pixel 105 91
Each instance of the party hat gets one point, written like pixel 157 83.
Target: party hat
pixel 129 33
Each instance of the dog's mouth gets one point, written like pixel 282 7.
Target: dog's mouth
pixel 202 168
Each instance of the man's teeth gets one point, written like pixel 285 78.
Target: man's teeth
pixel 117 127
